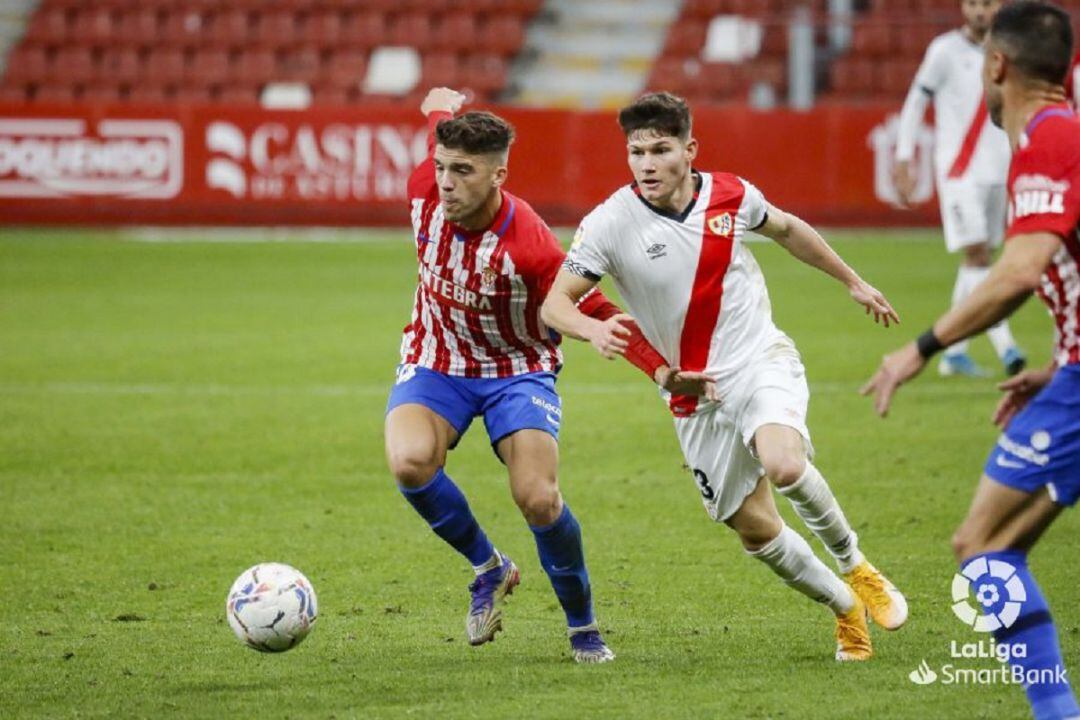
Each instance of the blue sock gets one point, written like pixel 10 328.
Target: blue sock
pixel 446 510
pixel 563 559
pixel 1050 696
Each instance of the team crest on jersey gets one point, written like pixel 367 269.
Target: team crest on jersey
pixel 721 224
pixel 488 278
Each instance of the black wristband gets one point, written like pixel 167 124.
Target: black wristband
pixel 928 344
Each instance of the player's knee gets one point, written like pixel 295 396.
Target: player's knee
pixel 784 469
pixel 411 466
pixel 540 504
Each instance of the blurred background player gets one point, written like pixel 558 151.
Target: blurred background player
pixel 674 224
pixel 476 348
pixel 971 158
pixel 1034 472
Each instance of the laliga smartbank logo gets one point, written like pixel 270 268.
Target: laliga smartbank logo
pixel 998 592
pixel 72 157
pixel 987 595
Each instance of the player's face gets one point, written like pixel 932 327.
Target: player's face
pixel 978 14
pixel 466 182
pixel 992 73
pixel 660 163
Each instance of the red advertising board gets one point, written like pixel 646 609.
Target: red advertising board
pixel 213 164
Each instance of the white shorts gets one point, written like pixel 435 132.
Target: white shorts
pixel 718 442
pixel 971 213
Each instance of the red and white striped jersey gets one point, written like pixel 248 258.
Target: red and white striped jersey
pixel 966 144
pixel 1044 196
pixel 477 307
pixel 694 288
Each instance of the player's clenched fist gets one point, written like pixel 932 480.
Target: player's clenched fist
pixel 442 99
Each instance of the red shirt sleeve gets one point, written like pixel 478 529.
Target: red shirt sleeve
pixel 547 259
pixel 422 181
pixel 1044 186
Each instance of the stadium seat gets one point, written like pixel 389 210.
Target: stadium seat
pixel 104 92
pixel 209 66
pixel 440 69
pixel 165 65
pixel 344 69
pixel 411 30
pixel 13 93
pixel 236 94
pixel 141 26
pixel 231 27
pixel 74 63
pixel 121 64
pixel 323 28
pixel 854 76
pixel 149 93
pixel 49 25
pixel 364 30
pixel 28 63
pixel 300 64
pixel 55 93
pixel 501 34
pixel 276 29
pixel 184 27
pixel 896 76
pixel 332 95
pixel 456 32
pixel 685 39
pixel 256 67
pixel 190 93
pixel 486 74
pixel 95 26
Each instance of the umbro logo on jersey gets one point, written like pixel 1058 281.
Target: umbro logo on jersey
pixel 656 250
pixel 721 224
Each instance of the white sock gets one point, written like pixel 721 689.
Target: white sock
pixel 966 279
pixel 493 562
pixel 790 557
pixel 815 503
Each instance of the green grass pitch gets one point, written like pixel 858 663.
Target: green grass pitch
pixel 171 413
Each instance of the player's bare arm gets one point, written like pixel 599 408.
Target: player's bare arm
pixel 1012 280
pixel 801 240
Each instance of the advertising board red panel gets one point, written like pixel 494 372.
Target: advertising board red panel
pixel 221 165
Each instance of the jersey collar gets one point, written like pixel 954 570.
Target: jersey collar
pixel 677 217
pixel 499 224
pixel 1055 110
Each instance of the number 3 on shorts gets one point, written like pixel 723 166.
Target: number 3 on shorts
pixel 703 484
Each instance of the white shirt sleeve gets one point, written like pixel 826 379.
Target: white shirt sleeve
pixel 755 206
pixel 590 254
pixel 928 80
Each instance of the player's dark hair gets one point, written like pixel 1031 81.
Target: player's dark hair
pixel 476 132
pixel 1036 37
pixel 661 112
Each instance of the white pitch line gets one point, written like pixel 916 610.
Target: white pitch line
pixel 382 389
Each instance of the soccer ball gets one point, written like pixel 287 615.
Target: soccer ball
pixel 271 607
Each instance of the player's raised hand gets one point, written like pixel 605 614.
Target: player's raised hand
pixel 687 382
pixel 609 337
pixel 896 369
pixel 874 301
pixel 442 99
pixel 1019 389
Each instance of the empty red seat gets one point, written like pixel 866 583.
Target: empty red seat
pixel 29 63
pixel 186 26
pixel 413 29
pixel 456 32
pixel 165 65
pixel 93 26
pixel 140 26
pixel 209 65
pixel 872 39
pixel 60 93
pixel 685 39
pixel 49 25
pixel 300 64
pixel 854 76
pixel 276 28
pixel 231 27
pixel 485 73
pixel 237 94
pixel 896 77
pixel 256 66
pixel 332 95
pixel 74 63
pixel 103 92
pixel 322 28
pixel 122 64
pixel 149 93
pixel 440 69
pixel 190 93
pixel 502 34
pixel 13 93
pixel 364 30
pixel 345 69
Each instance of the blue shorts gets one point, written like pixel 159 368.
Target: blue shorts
pixel 522 402
pixel 1041 446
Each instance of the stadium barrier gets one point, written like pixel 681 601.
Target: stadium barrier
pixel 222 165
